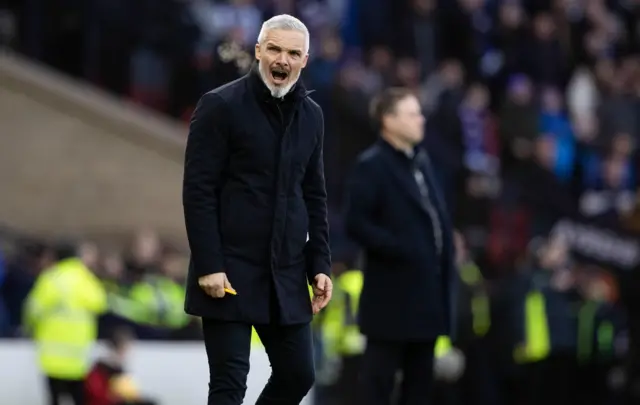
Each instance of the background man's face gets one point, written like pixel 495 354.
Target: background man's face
pixel 407 122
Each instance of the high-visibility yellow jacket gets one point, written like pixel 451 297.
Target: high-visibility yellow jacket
pixel 61 313
pixel 443 346
pixel 479 300
pixel 153 301
pixel 536 345
pixel 340 329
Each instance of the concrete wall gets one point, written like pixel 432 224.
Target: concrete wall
pixel 74 160
pixel 172 373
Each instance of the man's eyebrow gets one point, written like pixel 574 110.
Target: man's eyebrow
pixel 278 47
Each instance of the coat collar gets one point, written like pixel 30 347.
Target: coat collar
pixel 297 93
pixel 395 160
pixel 417 150
pixel 420 160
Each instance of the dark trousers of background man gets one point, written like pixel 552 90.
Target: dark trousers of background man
pixel 479 383
pixel 553 381
pixel 71 389
pixel 383 359
pixel 347 385
pixel 290 352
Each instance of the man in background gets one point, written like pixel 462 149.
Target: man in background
pixel 396 212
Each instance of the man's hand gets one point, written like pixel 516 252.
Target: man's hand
pixel 214 284
pixel 322 289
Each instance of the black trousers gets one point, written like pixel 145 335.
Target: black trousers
pixel 347 385
pixel 553 381
pixel 382 360
pixel 73 389
pixel 479 383
pixel 290 352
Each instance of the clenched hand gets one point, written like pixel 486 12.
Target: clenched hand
pixel 322 289
pixel 214 284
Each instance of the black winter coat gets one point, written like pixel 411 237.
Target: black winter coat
pixel 409 287
pixel 253 191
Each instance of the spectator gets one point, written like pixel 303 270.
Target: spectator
pixel 381 63
pixel 112 272
pixel 144 255
pixel 545 47
pixel 20 276
pixel 321 72
pixel 507 37
pixel 226 59
pixel 617 112
pixel 218 20
pixel 554 123
pixel 408 73
pixel 613 196
pixel 108 382
pixel 419 34
pixel 582 94
pixel 519 118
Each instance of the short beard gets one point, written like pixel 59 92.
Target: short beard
pixel 276 92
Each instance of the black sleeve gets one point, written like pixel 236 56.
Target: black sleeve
pixel 362 193
pixel 205 159
pixel 317 251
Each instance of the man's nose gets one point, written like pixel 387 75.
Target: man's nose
pixel 282 59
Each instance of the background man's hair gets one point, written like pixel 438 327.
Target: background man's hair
pixel 284 22
pixel 385 103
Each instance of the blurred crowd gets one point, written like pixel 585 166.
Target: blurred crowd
pixel 506 84
pixel 533 123
pixel 144 284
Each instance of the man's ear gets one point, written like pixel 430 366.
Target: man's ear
pixel 257 51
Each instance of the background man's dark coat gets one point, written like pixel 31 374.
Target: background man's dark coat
pixel 408 295
pixel 253 187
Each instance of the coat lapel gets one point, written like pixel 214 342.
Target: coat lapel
pixel 441 206
pixel 425 164
pixel 404 178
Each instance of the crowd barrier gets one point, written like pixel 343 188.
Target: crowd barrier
pixel 171 373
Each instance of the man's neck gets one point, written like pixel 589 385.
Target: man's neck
pixel 398 144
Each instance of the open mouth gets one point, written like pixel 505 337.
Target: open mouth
pixel 279 75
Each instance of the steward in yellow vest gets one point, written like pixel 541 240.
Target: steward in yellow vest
pixel 476 303
pixel 61 314
pixel 474 371
pixel 157 301
pixel 547 351
pixel 599 360
pixel 154 301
